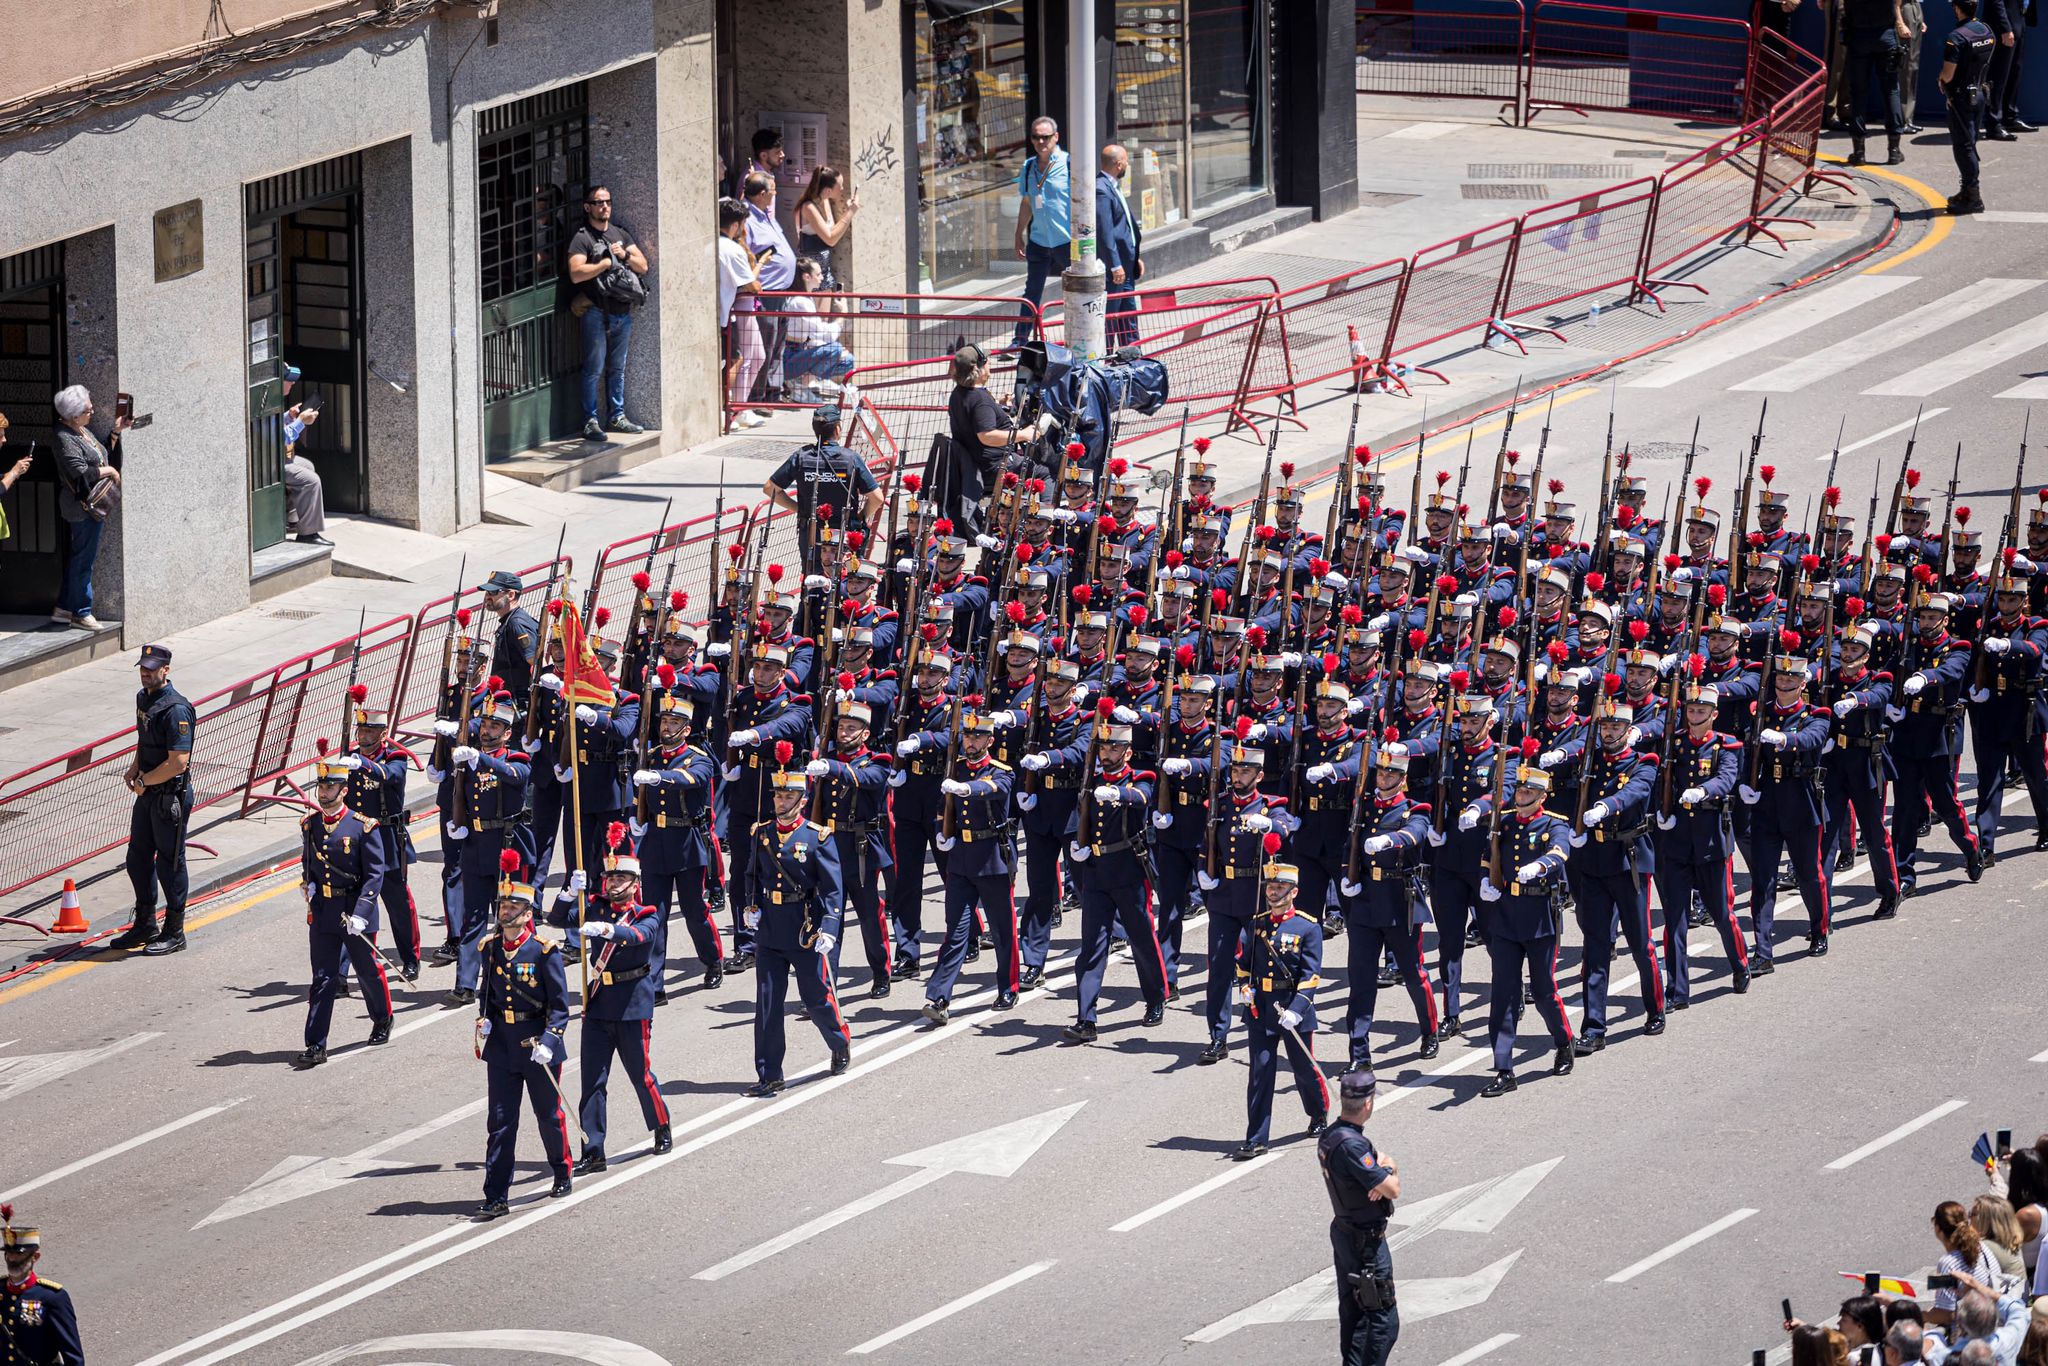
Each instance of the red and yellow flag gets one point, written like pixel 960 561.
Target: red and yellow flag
pixel 583 681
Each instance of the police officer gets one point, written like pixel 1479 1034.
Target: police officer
pixel 341 859
pixel 518 636
pixel 157 775
pixel 376 792
pixel 522 1021
pixel 824 475
pixel 1965 61
pixel 797 895
pixel 1279 966
pixel 1523 921
pixel 618 1017
pixel 1363 1184
pixel 36 1317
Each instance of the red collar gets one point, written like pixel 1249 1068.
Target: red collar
pixel 1529 819
pixel 785 829
pixel 1246 798
pixel 24 1287
pixel 514 945
pixel 338 817
pixel 1384 802
pixel 976 765
pixel 670 753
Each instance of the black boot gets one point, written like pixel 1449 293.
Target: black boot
pixel 1502 1083
pixel 590 1165
pixel 1856 155
pixel 663 1140
pixel 136 935
pixel 1430 1046
pixel 1893 156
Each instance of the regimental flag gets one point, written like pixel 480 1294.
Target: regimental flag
pixel 583 682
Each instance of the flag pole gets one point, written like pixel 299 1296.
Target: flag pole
pixel 573 668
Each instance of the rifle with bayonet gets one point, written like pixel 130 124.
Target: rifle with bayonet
pixel 1891 517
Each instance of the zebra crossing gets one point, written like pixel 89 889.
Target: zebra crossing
pixel 1937 344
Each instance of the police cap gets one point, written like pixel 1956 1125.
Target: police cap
pixel 1358 1084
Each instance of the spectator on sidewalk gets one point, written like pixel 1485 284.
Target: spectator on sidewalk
pixel 601 259
pixel 83 460
pixel 1045 238
pixel 305 499
pixel 1813 1345
pixel 824 215
pixel 767 157
pixel 813 361
pixel 2034 1347
pixel 1915 18
pixel 1962 1255
pixel 1982 1331
pixel 739 283
pixel 1875 35
pixel 2005 18
pixel 2023 1180
pixel 1902 1343
pixel 777 266
pixel 9 474
pixel 1117 238
pixel 1999 1227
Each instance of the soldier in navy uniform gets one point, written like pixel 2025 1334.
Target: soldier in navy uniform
pixel 1246 814
pixel 1932 672
pixel 1179 840
pixel 618 1016
pixel 1860 764
pixel 799 894
pixel 605 736
pixel 1692 845
pixel 854 783
pixel 1329 754
pixel 341 860
pixel 981 861
pixel 1050 788
pixel 1279 966
pixel 518 635
pixel 468 692
pixel 1384 910
pixel 764 713
pixel 1113 873
pixel 158 776
pixel 522 1023
pixel 1609 872
pixel 1459 842
pixel 2008 709
pixel 915 802
pixel 1785 807
pixel 671 828
pixel 490 794
pixel 36 1317
pixel 376 792
pixel 1525 922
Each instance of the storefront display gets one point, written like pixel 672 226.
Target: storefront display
pixel 972 106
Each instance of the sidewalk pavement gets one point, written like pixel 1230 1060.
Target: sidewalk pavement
pixel 1429 170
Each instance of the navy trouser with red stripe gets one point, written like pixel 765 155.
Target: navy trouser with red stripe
pixel 1267 1038
pixel 1225 933
pixel 1676 882
pixel 995 899
pixel 512 1081
pixel 1923 784
pixel 1510 957
pixel 1769 841
pixel 1846 794
pixel 396 894
pixel 772 970
pixel 1610 907
pixel 1129 906
pixel 1362 976
pixel 628 1041
pixel 659 889
pixel 328 950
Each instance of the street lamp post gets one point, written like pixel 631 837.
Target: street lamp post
pixel 1084 282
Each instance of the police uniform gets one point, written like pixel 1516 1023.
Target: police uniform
pixel 1970 46
pixel 980 871
pixel 798 896
pixel 341 859
pixel 1279 966
pixel 672 832
pixel 518 636
pixel 164 725
pixel 1384 910
pixel 824 474
pixel 522 1006
pixel 618 1015
pixel 37 1323
pixel 1358 1236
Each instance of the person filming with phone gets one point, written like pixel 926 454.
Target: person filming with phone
pixel 88 491
pixel 1363 1184
pixel 305 498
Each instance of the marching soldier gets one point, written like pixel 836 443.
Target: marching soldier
pixel 1465 780
pixel 1860 765
pixel 158 776
pixel 341 860
pixel 1051 787
pixel 1179 843
pixel 1113 874
pixel 490 794
pixel 1609 872
pixel 915 797
pixel 1384 910
pixel 376 792
pixel 765 713
pixel 36 1316
pixel 1327 754
pixel 1934 665
pixel 671 828
pixel 1279 965
pixel 981 861
pixel 852 785
pixel 1230 885
pixel 518 635
pixel 1692 844
pixel 1785 807
pixel 1524 922
pixel 521 1024
pixel 797 895
pixel 2008 708
pixel 618 1016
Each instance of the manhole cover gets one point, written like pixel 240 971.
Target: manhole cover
pixel 1649 154
pixel 1664 450
pixel 1471 191
pixel 1537 170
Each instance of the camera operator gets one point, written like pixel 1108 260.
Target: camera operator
pixel 982 436
pixel 1363 1185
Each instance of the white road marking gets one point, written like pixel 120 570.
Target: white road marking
pixel 1422 132
pixel 1217 1182
pixel 1905 330
pixel 435 1014
pixel 1911 1126
pixel 1894 430
pixel 2010 216
pixel 1472 1354
pixel 950 1308
pixel 1477 1208
pixel 1957 365
pixel 2034 388
pixel 161 1131
pixel 1749 338
pixel 997 1152
pixel 1690 1240
pixel 31 1070
pixel 2039 1057
pixel 1314 1299
pixel 590 1347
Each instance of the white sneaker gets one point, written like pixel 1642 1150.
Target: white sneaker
pixel 762 413
pixel 748 419
pixel 829 389
pixel 86 621
pixel 62 616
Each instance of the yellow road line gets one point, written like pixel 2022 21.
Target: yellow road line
pixel 1935 200
pixel 70 970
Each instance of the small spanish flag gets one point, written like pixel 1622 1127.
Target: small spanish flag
pixel 1886 1285
pixel 1981 1152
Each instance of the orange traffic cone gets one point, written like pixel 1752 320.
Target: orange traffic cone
pixel 69 920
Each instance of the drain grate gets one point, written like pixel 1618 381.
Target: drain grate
pixel 1663 450
pixel 1537 170
pixel 1514 191
pixel 1649 154
pixel 1825 213
pixel 290 614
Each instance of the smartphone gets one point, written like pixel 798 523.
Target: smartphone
pixel 768 250
pixel 139 423
pixel 1871 1281
pixel 1941 1281
pixel 124 406
pixel 1760 1356
pixel 1785 1305
pixel 2004 1144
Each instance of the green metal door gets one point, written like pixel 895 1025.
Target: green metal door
pixel 263 254
pixel 31 372
pixel 532 161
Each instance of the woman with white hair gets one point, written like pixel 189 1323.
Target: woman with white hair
pixel 82 462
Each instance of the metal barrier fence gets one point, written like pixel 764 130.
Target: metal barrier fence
pixel 1474 53
pixel 1584 57
pixel 419 680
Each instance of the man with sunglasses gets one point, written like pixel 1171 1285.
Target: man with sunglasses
pixel 595 252
pixel 1045 237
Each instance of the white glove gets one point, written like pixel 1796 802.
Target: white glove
pixel 817 768
pixel 1503 532
pixel 825 943
pixel 1576 840
pixel 563 773
pixel 1181 572
pixel 1039 762
pixel 1109 796
pixel 447 730
pixel 1004 720
pixel 638 827
pixel 1468 819
pixel 1487 891
pixel 1173 768
pixel 351 762
pixel 1774 738
pixel 578 881
pixel 1915 685
pixel 1529 872
pixel 953 787
pixel 1980 694
pixel 1079 852
pixel 909 747
pixel 434 774
pixel 1436 839
pixel 1846 705
pixel 1206 883
pixel 586 716
pixel 1377 844
pixel 1244 993
pixel 306 891
pixel 543 1053
pixel 1291 658
pixel 1063 515
pixel 1354 706
pixel 458 832
pixel 899 777
pixel 1667 822
pixel 357 925
pixel 597 929
pixel 843 695
pixel 1290 1019
pixel 1322 773
pixel 1894 713
pixel 1750 796
pixel 1335 581
pixel 744 738
pixel 1633 738
pixel 548 683
pixel 731 773
pixel 1667 664
pixel 1349 888
pixel 1257 732
pixel 645 777
pixel 1596 813
pixel 467 755
pixel 533 745
pixel 1550 758
pixel 1124 716
pixel 816 581
pixel 906 566
pixel 945 843
pixel 1258 822
pixel 988 542
pixel 718 649
pixel 1692 796
pixel 1998 645
pixel 1382 621
pixel 751 917
pixel 1046 423
pixel 1027 800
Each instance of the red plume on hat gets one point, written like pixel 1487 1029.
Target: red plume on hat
pixel 1610 684
pixel 1624 517
pixel 1174 559
pixel 2009 554
pixel 1185 656
pixel 462 617
pixel 678 600
pixel 845 680
pixel 929 631
pixel 1717 593
pixel 735 551
pixel 1025 550
pixel 2041 494
pixel 775 573
pixel 1105 707
pixel 1118 467
pixel 1508 617
pixel 784 750
pixel 1924 572
pixel 358 691
pixel 1637 630
pixel 1809 563
pixel 1351 614
pixel 1286 470
pixel 1596 581
pixel 1852 608
pixel 1139 616
pixel 1243 726
pixel 848 607
pixel 665 673
pixel 1447 583
pixel 1442 477
pixel 1531 746
pixel 943 527
pixel 1883 541
pixel 557 607
pixel 1556 486
pixel 601 617
pixel 1695 665
pixel 1625 459
pixel 642 580
pixel 494 683
pixel 1009 479
pixel 1014 611
pixel 1075 450
pixel 1701 483
pixel 1788 640
pixel 1256 637
pixel 1963 516
pixel 1758 540
pixel 1219 598
pixel 913 481
pixel 1082 593
pixel 1201 444
pixel 1912 479
pixel 1514 457
pixel 321 745
pixel 1266 533
pixel 856 539
pixel 1319 566
pixel 1460 679
pixel 1272 842
pixel 1559 651
pixel 1329 663
pixel 1362 453
pixel 1106 524
pixel 1417 638
pixel 1672 562
pixel 1769 472
pixel 1464 508
pixel 508 861
pixel 615 834
pixel 1832 496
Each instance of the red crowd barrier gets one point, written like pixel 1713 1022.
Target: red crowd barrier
pixel 656 551
pixel 1322 318
pixel 1474 53
pixel 1454 288
pixel 1584 57
pixel 419 679
pixel 1578 247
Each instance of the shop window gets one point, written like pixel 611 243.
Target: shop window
pixel 1152 107
pixel 1227 61
pixel 973 92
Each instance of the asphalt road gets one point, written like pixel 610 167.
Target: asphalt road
pixel 1015 1199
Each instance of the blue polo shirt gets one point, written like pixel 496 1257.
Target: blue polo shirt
pixel 1052 204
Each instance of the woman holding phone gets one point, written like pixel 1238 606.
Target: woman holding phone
pixel 10 474
pixel 83 460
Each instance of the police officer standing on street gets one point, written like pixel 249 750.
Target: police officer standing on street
pixel 1965 60
pixel 1363 1184
pixel 158 776
pixel 824 474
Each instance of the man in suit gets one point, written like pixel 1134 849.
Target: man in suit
pixel 1117 238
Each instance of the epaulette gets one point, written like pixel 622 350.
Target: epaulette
pixel 1422 807
pixel 369 823
pixel 1647 758
pixel 46 1281
pixel 547 945
pixel 306 820
pixel 888 615
pixel 1276 801
pixel 998 763
pixel 759 826
pixel 978 580
pixel 623 698
pixel 816 829
pixel 886 673
pixel 1730 742
pixel 1144 775
pixel 518 756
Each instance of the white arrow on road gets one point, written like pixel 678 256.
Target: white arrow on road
pixel 299 1176
pixel 992 1152
pixel 1477 1208
pixel 31 1070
